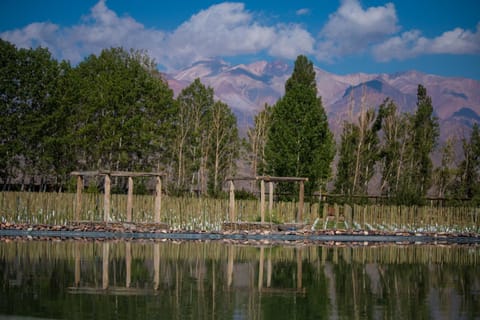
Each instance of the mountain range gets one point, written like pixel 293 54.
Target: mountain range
pixel 246 88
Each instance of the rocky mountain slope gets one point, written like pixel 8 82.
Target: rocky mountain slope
pixel 246 89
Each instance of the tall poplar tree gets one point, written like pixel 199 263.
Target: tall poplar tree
pixel 300 142
pixel 195 103
pixel 224 145
pixel 468 177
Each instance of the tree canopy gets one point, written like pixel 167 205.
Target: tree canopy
pixel 299 141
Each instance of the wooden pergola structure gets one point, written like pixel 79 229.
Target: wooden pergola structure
pixel 107 194
pixel 270 180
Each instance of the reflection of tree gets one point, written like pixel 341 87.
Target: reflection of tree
pixel 353 282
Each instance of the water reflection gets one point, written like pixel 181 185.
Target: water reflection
pixel 125 280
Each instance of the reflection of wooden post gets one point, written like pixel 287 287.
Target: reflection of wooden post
pixel 106 203
pixel 105 265
pixel 299 268
pixel 130 199
pixel 77 264
pixel 158 198
pixel 78 206
pixel 128 264
pixel 230 265
pixel 269 269
pixel 232 202
pixel 260 270
pixel 300 203
pixel 156 266
pixel 270 197
pixel 262 201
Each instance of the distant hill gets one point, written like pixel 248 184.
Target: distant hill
pixel 246 88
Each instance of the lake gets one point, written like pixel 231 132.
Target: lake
pixel 218 280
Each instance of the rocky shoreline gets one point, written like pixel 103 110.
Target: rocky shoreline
pixel 255 233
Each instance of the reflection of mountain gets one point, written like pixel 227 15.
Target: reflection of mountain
pixel 246 88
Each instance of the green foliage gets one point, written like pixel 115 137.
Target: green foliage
pixel 257 140
pixel 224 145
pixel 299 141
pixel 123 113
pixel 358 153
pixel 468 177
pixel 206 141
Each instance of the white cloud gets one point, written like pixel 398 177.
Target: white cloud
pixel 303 12
pixel 222 30
pixel 291 40
pixel 411 44
pixel 102 28
pixel 226 29
pixel 352 29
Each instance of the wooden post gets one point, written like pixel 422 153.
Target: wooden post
pixel 262 201
pixel 78 206
pixel 105 265
pixel 77 264
pixel 299 268
pixel 156 266
pixel 232 202
pixel 260 269
pixel 300 203
pixel 270 198
pixel 231 253
pixel 269 269
pixel 158 199
pixel 130 199
pixel 106 202
pixel 128 264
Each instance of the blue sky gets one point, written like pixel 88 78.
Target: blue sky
pixel 432 36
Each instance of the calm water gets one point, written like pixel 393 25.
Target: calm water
pixel 190 280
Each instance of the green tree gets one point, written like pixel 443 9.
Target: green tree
pixel 224 145
pixel 123 113
pixel 426 132
pixel 393 146
pixel 257 139
pixel 29 87
pixel 444 175
pixel 358 152
pixel 191 138
pixel 299 140
pixel 9 106
pixel 468 177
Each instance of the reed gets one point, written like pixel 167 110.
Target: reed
pixel 191 213
pixel 404 218
pixel 36 251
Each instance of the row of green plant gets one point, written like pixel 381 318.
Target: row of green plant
pixel 209 214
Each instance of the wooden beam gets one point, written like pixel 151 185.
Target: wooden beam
pixel 130 199
pixel 85 173
pixel 281 179
pixel 132 174
pixel 117 173
pixel 106 201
